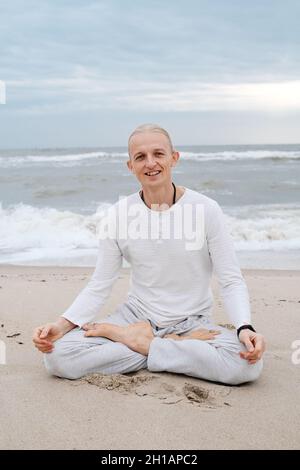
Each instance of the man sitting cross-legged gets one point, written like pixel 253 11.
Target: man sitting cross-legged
pixel 165 323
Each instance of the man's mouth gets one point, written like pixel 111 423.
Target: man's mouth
pixel 153 173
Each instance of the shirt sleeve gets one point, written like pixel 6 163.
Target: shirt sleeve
pixel 233 288
pixel 87 305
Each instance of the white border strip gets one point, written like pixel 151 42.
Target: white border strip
pixel 2 92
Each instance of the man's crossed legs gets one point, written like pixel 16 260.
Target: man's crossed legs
pixel 129 343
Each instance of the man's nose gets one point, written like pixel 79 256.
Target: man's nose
pixel 150 161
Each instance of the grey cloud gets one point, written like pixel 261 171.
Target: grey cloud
pixel 117 56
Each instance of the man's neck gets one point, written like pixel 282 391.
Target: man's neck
pixel 161 196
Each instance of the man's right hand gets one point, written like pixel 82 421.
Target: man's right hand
pixel 45 335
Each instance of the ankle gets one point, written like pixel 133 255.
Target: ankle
pixel 110 331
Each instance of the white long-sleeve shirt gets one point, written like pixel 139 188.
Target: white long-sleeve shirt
pixel 171 268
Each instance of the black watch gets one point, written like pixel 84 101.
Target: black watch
pixel 244 327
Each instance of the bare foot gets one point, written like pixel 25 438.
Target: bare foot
pixel 202 334
pixel 137 336
pixel 173 336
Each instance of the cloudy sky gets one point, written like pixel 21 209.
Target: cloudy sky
pixel 85 73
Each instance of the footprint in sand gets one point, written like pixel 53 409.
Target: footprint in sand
pixel 147 385
pixel 196 394
pixel 121 383
pixel 163 391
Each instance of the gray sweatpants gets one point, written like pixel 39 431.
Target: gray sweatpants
pixel 217 360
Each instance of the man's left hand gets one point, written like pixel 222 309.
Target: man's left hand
pixel 255 344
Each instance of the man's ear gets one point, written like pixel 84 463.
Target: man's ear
pixel 175 157
pixel 129 165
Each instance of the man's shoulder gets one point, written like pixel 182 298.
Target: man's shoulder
pixel 196 197
pixel 124 201
pixel 112 210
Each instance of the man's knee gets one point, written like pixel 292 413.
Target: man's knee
pixel 57 364
pixel 244 373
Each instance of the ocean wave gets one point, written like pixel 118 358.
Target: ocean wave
pixel 265 227
pixel 63 160
pixel 90 158
pixel 24 227
pixel 31 233
pixel 241 155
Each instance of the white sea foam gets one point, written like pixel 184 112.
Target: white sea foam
pixel 242 155
pixel 56 160
pixel 90 158
pixel 29 233
pixel 265 227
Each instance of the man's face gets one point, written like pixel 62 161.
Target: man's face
pixel 151 158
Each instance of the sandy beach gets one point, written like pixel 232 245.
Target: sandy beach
pixel 144 410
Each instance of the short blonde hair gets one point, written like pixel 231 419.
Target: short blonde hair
pixel 151 128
